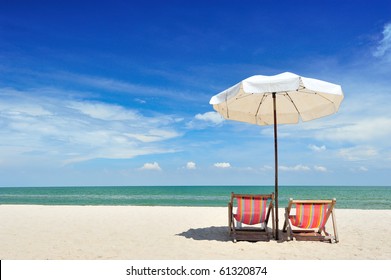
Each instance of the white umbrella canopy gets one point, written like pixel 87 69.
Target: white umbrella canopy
pixel 285 98
pixel 297 98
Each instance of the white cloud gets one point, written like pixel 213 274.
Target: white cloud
pixel 298 167
pixel 191 165
pixel 358 153
pixel 151 166
pixel 317 148
pixel 384 45
pixel 222 165
pixel 213 117
pixel 154 135
pixel 320 168
pixel 266 168
pixel 17 109
pixel 361 129
pixel 360 169
pixel 201 121
pixel 363 168
pixel 63 130
pixel 116 85
pixel 139 100
pixel 104 111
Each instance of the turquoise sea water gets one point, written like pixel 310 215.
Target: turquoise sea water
pixel 370 197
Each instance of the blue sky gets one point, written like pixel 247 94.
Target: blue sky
pixel 117 92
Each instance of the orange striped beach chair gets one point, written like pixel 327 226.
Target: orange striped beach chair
pixel 248 216
pixel 309 221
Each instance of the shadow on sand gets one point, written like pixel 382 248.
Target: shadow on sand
pixel 218 234
pixel 208 233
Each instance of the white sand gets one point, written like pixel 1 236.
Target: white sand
pixel 155 233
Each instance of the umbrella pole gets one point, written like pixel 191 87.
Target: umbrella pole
pixel 275 161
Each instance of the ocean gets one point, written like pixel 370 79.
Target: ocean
pixel 348 197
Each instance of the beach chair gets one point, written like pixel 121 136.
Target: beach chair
pixel 309 221
pixel 250 218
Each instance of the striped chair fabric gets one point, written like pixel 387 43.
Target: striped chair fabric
pixel 251 210
pixel 310 216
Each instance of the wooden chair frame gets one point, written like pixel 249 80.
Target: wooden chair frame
pixel 250 233
pixel 318 234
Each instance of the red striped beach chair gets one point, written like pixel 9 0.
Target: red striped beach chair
pixel 309 221
pixel 248 216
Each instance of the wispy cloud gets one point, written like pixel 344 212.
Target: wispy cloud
pixel 303 168
pixel 363 169
pixel 358 153
pixel 359 129
pixel 360 169
pixel 384 45
pixel 66 130
pixel 296 168
pixel 139 90
pixel 266 168
pixel 102 111
pixel 320 168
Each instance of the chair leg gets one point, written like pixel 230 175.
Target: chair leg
pixel 286 214
pixel 233 231
pixel 288 226
pixel 229 218
pixel 334 226
pixel 333 238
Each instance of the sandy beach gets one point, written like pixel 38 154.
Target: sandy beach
pixel 30 232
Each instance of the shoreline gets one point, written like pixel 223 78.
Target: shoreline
pixel 369 197
pixel 68 232
pixel 163 206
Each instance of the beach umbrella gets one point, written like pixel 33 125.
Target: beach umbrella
pixel 285 98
